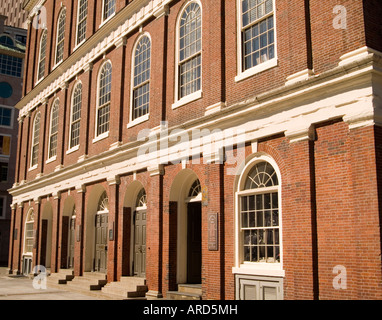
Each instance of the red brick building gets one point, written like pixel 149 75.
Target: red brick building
pixel 232 145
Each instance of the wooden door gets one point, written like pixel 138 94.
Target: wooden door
pixel 101 242
pixel 140 243
pixel 71 237
pixel 194 242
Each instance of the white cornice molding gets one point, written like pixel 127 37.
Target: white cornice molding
pixel 111 34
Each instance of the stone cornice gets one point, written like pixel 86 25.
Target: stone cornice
pixel 108 36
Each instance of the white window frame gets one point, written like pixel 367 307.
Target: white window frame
pixel 34 166
pixel 44 33
pixel 103 21
pixel 76 147
pixel 104 134
pixel 63 10
pixel 78 22
pixel 55 104
pixel 197 94
pixel 241 75
pixel 132 121
pixel 256 268
pixel 29 219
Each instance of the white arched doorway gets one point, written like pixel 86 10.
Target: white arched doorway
pixel 186 192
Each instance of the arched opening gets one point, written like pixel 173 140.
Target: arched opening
pixel 186 195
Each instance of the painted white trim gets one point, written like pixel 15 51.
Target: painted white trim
pixel 187 99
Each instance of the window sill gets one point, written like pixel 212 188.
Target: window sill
pixel 187 99
pixel 33 168
pixel 79 45
pixel 257 69
pixel 57 64
pixel 71 150
pixel 101 137
pixel 138 121
pixel 54 158
pixel 106 20
pixel 261 269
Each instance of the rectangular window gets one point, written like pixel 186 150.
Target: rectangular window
pixel 3 172
pixel 2 206
pixel 5 117
pixel 82 18
pixel 258 35
pixel 108 8
pixel 5 145
pixel 11 66
pixel 260 228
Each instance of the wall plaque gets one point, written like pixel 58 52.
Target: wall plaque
pixel 212 231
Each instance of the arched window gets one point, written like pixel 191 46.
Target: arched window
pixel 104 96
pixel 60 36
pixel 42 56
pixel 108 9
pixel 141 199
pixel 103 203
pixel 190 51
pixel 259 215
pixel 53 129
pixel 141 80
pixel 75 119
pixel 81 20
pixel 28 234
pixel 195 189
pixel 35 140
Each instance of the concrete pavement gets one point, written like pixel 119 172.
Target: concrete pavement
pixel 21 288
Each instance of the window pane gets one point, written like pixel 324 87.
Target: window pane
pixel 108 8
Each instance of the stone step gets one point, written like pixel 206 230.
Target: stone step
pixel 127 287
pixel 89 281
pixel 176 295
pixel 190 288
pixel 186 292
pixel 61 277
